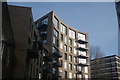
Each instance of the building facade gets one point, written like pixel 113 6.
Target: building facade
pixel 20 44
pixel 106 68
pixel 68 48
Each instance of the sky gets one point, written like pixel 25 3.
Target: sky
pixel 98 19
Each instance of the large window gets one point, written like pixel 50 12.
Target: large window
pixel 65 65
pixel 82 45
pixel 72 34
pixel 44 21
pixel 75 44
pixel 61 37
pixel 65 39
pixel 61 45
pixel 56 22
pixel 70 49
pixel 65 56
pixel 55 33
pixel 70 66
pixel 83 61
pixel 70 57
pixel 65 47
pixel 70 75
pixel 54 49
pixel 81 36
pixel 53 39
pixel 75 51
pixel 65 74
pixel 70 42
pixel 86 69
pixel 63 29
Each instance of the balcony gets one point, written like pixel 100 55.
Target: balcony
pixel 43 34
pixel 39 43
pixel 82 41
pixel 47 71
pixel 57 54
pixel 47 58
pixel 33 53
pixel 81 56
pixel 6 43
pixel 57 74
pixel 42 27
pixel 82 49
pixel 56 63
pixel 82 64
pixel 78 72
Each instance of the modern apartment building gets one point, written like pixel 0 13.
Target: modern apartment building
pixel 106 68
pixel 118 16
pixel 46 49
pixel 21 46
pixel 67 47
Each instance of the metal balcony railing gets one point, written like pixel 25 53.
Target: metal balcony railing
pixel 42 27
pixel 82 56
pixel 57 54
pixel 33 53
pixel 57 74
pixel 82 49
pixel 56 63
pixel 47 70
pixel 82 41
pixel 82 64
pixel 39 43
pixel 47 58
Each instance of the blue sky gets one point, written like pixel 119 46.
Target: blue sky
pixel 97 18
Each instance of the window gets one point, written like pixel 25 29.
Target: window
pixel 44 21
pixel 65 74
pixel 70 57
pixel 61 37
pixel 72 34
pixel 75 44
pixel 75 68
pixel 65 56
pixel 82 61
pixel 75 51
pixel 65 65
pixel 53 39
pixel 65 47
pixel 80 76
pixel 86 77
pixel 75 59
pixel 65 39
pixel 70 66
pixel 55 33
pixel 70 49
pixel 82 45
pixel 61 45
pixel 70 42
pixel 81 36
pixel 56 22
pixel 63 29
pixel 86 69
pixel 70 75
pixel 54 49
